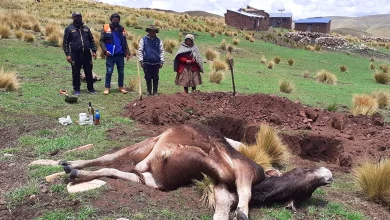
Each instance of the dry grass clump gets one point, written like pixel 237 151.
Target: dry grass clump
pixel 55 38
pixel 271 64
pixel 227 59
pixel 212 34
pixel 5 31
pixel 216 77
pixel 133 82
pixel 373 179
pixel 291 62
pixel 29 37
pixel 219 65
pixel 230 48
pixel 286 86
pixel 277 59
pixel 158 23
pixel 169 45
pixel 372 59
pixel 205 187
pixel 372 66
pixel 263 59
pixel 52 28
pixel 384 68
pixel 382 78
pixel 36 27
pixel 343 68
pixel 8 80
pixel 211 54
pixel 326 77
pixel 135 42
pixel 310 48
pixel 364 105
pixel 223 45
pixel 382 98
pixel 317 47
pixel 236 41
pixel 19 34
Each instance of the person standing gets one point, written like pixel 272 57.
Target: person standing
pixel 77 44
pixel 151 57
pixel 114 45
pixel 188 64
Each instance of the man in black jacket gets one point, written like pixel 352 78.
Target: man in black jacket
pixel 114 45
pixel 77 45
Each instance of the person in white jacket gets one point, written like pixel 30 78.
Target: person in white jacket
pixel 151 58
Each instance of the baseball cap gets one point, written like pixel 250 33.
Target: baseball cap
pixel 74 14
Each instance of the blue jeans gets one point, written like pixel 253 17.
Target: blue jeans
pixel 120 65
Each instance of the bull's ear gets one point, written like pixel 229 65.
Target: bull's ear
pixel 272 172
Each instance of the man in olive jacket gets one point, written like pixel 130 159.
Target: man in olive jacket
pixel 114 45
pixel 78 43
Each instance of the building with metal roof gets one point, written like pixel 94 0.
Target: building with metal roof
pixel 253 19
pixel 319 24
pixel 283 20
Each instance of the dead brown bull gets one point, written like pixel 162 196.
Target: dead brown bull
pixel 178 156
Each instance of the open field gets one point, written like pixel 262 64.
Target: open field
pixel 29 127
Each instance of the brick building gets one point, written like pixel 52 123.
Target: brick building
pixel 252 19
pixel 321 25
pixel 283 20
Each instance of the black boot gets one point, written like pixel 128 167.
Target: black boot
pixel 155 87
pixel 149 87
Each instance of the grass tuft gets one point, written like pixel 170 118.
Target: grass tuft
pixel 364 105
pixel 277 59
pixel 169 45
pixel 236 41
pixel 29 37
pixel 382 98
pixel 19 34
pixel 291 62
pixel 382 78
pixel 5 31
pixel 206 189
pixel 211 54
pixel 372 66
pixel 332 107
pixel 326 77
pixel 230 48
pixel 133 82
pixel 219 65
pixel 223 45
pixel 216 77
pixel 343 68
pixel 384 68
pixel 271 64
pixel 286 86
pixel 263 59
pixel 9 80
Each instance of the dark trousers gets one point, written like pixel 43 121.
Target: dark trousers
pixel 151 76
pixel 83 60
pixel 120 65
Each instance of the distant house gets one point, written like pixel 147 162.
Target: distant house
pixel 248 19
pixel 283 20
pixel 313 25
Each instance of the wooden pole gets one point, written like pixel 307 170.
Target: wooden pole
pixel 139 82
pixel 231 63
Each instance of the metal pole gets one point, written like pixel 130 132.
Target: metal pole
pixel 231 63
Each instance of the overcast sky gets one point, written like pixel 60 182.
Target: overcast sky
pixel 299 8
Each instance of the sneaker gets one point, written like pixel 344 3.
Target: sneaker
pixel 106 91
pixel 155 94
pixel 148 93
pixel 92 91
pixel 76 92
pixel 122 90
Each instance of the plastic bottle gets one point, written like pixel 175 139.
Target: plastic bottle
pixel 97 117
pixel 91 113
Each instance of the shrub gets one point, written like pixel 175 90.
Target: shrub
pixel 277 59
pixel 372 66
pixel 9 80
pixel 326 77
pixel 28 37
pixel 382 98
pixel 286 86
pixel 263 59
pixel 169 45
pixel 223 45
pixel 4 31
pixel 332 107
pixel 343 68
pixel 216 77
pixel 373 179
pixel 230 48
pixel 271 64
pixel 211 54
pixel 290 62
pixel 236 41
pixel 19 34
pixel 382 78
pixel 218 65
pixel 364 105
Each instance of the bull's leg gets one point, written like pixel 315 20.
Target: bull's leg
pixel 135 152
pixel 224 200
pixel 142 178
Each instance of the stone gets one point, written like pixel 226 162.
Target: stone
pixel 275 118
pixel 310 114
pixel 339 122
pixel 122 219
pixel 8 155
pixel 85 186
pixel 51 178
pixel 45 162
pixel 82 148
pixel 378 120
pixel 346 161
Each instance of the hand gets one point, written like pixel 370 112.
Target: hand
pixel 94 56
pixel 69 59
pixel 108 53
pixel 127 57
pixel 161 65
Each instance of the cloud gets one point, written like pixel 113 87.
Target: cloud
pixel 299 8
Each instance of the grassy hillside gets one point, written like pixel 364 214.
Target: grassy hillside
pixel 376 25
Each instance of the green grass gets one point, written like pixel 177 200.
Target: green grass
pixel 21 194
pixel 84 213
pixel 38 172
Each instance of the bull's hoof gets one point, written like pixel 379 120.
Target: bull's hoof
pixel 64 163
pixel 67 168
pixel 73 174
pixel 241 216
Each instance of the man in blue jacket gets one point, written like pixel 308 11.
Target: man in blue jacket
pixel 151 57
pixel 114 37
pixel 78 43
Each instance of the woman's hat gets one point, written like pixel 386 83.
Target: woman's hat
pixel 152 28
pixel 190 36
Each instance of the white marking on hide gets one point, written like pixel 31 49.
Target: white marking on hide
pixel 227 158
pixel 325 173
pixel 235 144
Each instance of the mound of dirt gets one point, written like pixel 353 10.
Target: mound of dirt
pixel 310 133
